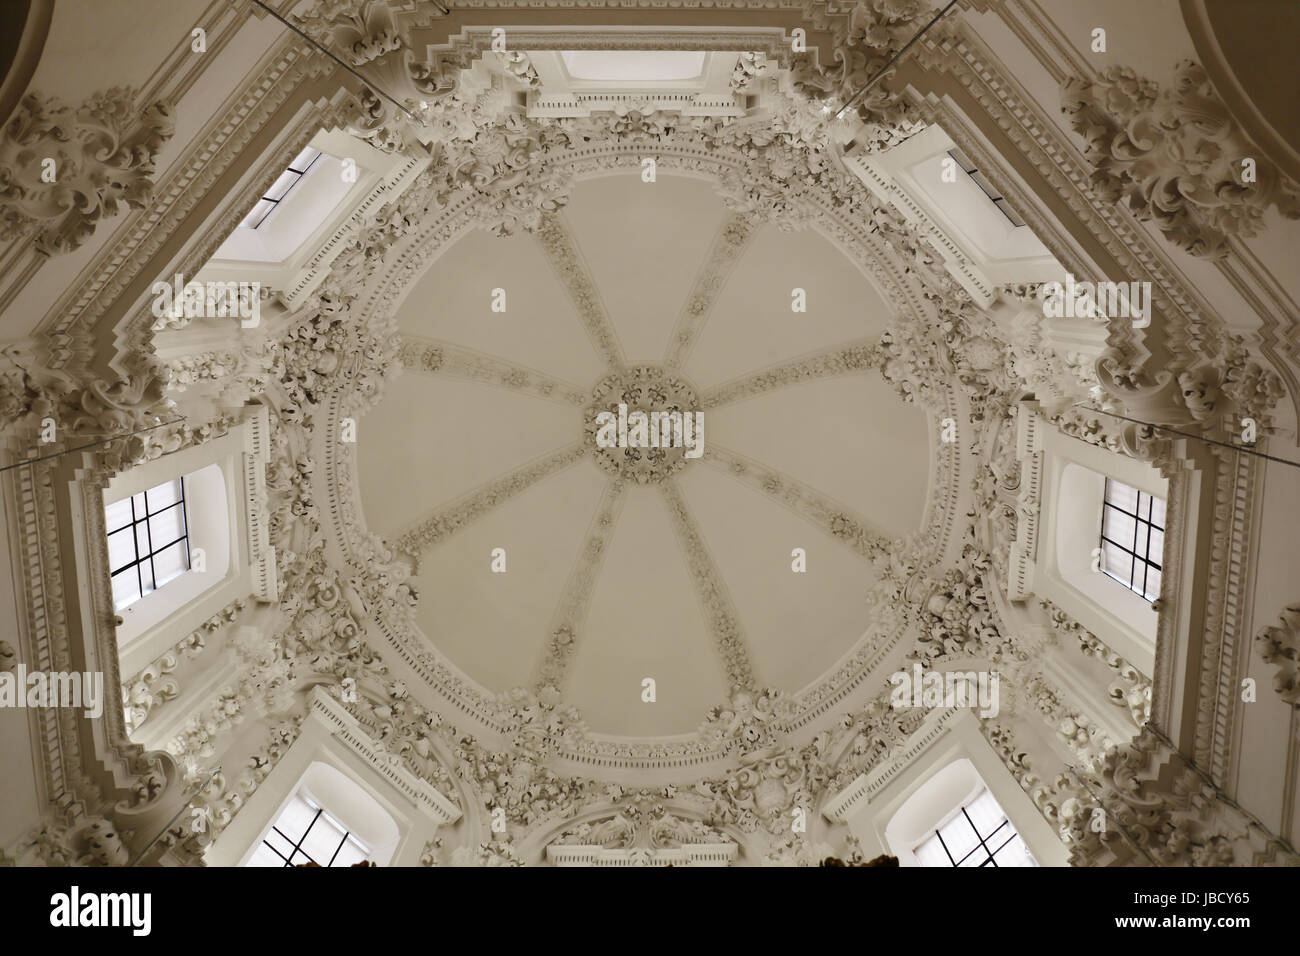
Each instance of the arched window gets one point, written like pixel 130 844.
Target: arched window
pixel 978 834
pixel 953 819
pixel 1090 536
pixel 1132 537
pixel 186 536
pixel 947 781
pixel 175 533
pixel 307 833
pixel 148 541
pixel 329 819
pixel 270 202
pixel 336 767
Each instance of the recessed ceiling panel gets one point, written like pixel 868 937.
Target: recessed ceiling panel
pixel 453 301
pixel 849 437
pixel 644 243
pixel 633 65
pixel 645 622
pixel 435 438
pixel 797 624
pixel 752 323
pixel 492 624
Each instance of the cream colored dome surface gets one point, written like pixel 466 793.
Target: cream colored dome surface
pixel 681 574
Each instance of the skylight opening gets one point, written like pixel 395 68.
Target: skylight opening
pixel 982 181
pixel 1132 538
pixel 280 188
pixel 148 541
pixel 631 66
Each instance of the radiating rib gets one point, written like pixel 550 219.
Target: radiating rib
pixel 473 505
pixel 832 517
pixel 724 253
pixel 846 359
pixel 561 251
pixel 571 611
pixel 435 357
pixel 719 612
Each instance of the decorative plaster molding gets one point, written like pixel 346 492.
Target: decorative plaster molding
pixel 701 854
pixel 724 252
pixel 837 360
pixel 145 692
pixel 418 354
pixel 448 520
pixel 877 30
pixel 344 727
pixel 566 626
pixel 834 518
pixel 257 453
pixel 1024 549
pixel 931 729
pixel 561 250
pixel 715 601
pixel 642 835
pixel 1132 691
pixel 646 389
pixel 574 105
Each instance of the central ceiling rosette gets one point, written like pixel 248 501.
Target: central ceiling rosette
pixel 641 398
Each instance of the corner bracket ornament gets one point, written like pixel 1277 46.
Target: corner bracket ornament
pixel 877 31
pixel 64 169
pixel 1281 646
pixel 1176 157
pixel 30 393
pixel 1208 394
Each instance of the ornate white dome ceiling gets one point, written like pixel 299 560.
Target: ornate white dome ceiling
pixel 484 442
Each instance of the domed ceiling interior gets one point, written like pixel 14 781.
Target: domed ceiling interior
pixel 635 572
pixel 440 577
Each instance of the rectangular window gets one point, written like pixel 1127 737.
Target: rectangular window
pixel 148 541
pixel 1132 538
pixel 305 833
pixel 280 188
pixel 983 183
pixel 979 835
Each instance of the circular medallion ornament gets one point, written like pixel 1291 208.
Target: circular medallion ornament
pixel 644 423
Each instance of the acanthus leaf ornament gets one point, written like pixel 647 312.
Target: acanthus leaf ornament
pixel 1175 156
pixel 63 170
pixel 1279 645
